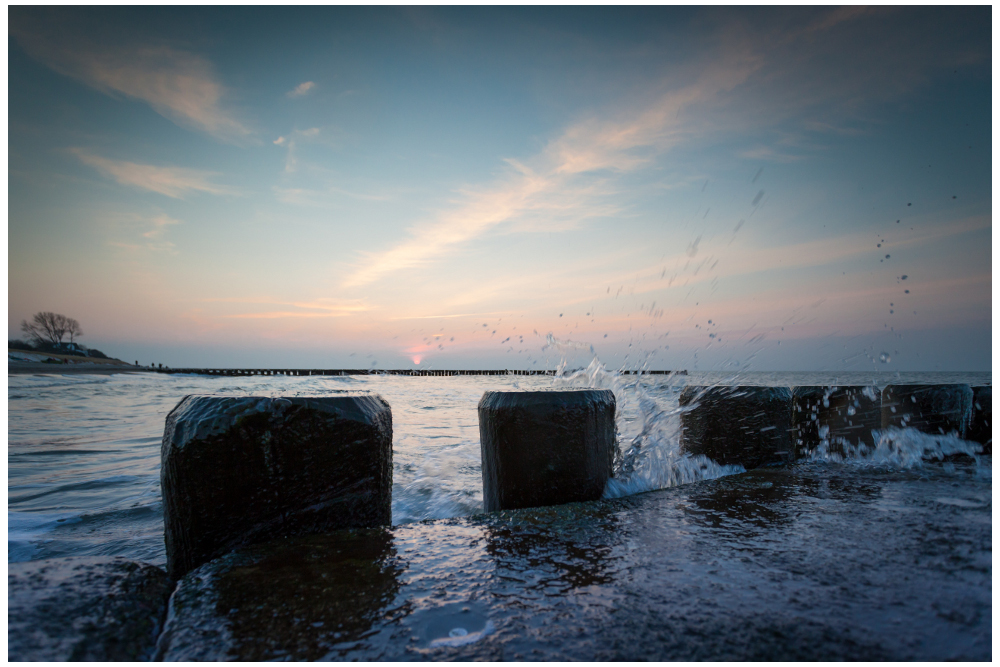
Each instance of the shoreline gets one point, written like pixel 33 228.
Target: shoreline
pixel 41 368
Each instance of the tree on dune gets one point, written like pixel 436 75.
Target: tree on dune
pixel 51 328
pixel 72 328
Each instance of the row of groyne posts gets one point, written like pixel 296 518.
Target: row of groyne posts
pixel 273 461
pixel 424 372
pixel 241 471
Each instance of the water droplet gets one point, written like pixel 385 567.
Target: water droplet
pixel 884 358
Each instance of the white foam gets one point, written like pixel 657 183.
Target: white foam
pixel 648 434
pixel 901 448
pixel 461 636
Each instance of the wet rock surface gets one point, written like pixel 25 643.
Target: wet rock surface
pixel 93 609
pixel 840 419
pixel 290 599
pixel 748 426
pixel 817 561
pixel 937 409
pixel 241 470
pixel 545 447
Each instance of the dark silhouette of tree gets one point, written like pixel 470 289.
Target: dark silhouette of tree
pixel 50 328
pixel 73 329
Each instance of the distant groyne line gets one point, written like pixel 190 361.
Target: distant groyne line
pixel 239 372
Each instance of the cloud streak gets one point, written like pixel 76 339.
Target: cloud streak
pixel 570 179
pixel 289 142
pixel 173 182
pixel 321 308
pixel 301 89
pixel 177 84
pixel 582 172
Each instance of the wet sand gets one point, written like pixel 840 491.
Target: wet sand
pixel 40 368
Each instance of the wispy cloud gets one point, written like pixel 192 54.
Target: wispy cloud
pixel 301 89
pixel 449 317
pixel 481 212
pixel 582 172
pixel 835 17
pixel 139 233
pixel 751 260
pixel 177 84
pixel 562 183
pixel 322 197
pixel 155 234
pixel 768 154
pixel 290 142
pixel 170 181
pixel 319 308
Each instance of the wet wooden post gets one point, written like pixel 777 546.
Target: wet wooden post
pixel 748 426
pixel 842 419
pixel 241 470
pixel 981 430
pixel 937 409
pixel 545 447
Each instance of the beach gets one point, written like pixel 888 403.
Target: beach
pixel 820 560
pixel 85 368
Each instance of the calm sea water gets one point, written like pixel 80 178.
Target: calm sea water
pixel 84 451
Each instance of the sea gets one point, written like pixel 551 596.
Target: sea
pixel 84 451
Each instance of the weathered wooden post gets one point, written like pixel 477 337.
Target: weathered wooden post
pixel 545 447
pixel 981 430
pixel 841 417
pixel 240 470
pixel 749 426
pixel 936 409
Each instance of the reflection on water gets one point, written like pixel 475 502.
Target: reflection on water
pixel 303 599
pixel 743 504
pixel 553 550
pixel 818 561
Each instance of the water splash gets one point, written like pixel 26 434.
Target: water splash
pixel 648 434
pixel 435 482
pixel 900 448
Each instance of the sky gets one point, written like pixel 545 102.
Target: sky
pixel 461 188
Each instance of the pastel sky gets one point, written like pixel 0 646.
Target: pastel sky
pixel 774 189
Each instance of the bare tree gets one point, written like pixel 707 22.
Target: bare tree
pixel 46 327
pixel 72 328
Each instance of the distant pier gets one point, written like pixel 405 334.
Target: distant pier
pixel 239 372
